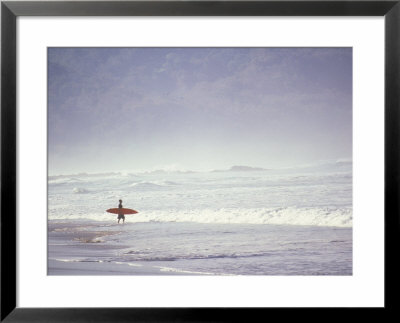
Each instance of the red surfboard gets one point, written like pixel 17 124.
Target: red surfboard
pixel 122 210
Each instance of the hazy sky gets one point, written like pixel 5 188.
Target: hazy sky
pixel 113 109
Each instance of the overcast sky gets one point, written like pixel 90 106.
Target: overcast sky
pixel 129 109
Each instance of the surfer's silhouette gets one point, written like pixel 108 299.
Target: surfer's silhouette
pixel 121 216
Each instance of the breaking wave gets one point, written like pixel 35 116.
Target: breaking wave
pixel 311 216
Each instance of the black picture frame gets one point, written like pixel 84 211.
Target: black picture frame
pixel 11 10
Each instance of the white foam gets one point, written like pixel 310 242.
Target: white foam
pixel 175 270
pixel 146 185
pixel 318 216
pixel 79 190
pixel 128 264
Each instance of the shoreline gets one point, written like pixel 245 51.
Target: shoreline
pixel 72 246
pixel 101 268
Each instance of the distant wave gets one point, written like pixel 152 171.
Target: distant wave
pixel 79 190
pixel 311 216
pixel 64 180
pixel 145 185
pixel 152 185
pixel 82 175
pixel 163 171
pixel 241 169
pixel 325 164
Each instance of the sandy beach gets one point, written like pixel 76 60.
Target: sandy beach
pixel 79 248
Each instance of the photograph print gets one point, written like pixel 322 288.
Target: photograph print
pixel 200 161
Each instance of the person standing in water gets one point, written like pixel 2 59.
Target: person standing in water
pixel 121 216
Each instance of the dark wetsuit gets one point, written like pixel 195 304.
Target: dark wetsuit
pixel 120 216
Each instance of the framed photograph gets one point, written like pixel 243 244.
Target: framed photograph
pixel 195 160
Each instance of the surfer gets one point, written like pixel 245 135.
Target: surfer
pixel 121 216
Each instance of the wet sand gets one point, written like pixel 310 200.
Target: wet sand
pixel 72 246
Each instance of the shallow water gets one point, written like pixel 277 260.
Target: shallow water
pixel 194 248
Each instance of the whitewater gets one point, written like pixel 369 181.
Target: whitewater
pixel 239 221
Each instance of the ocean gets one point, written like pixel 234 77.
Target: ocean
pixel 239 221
